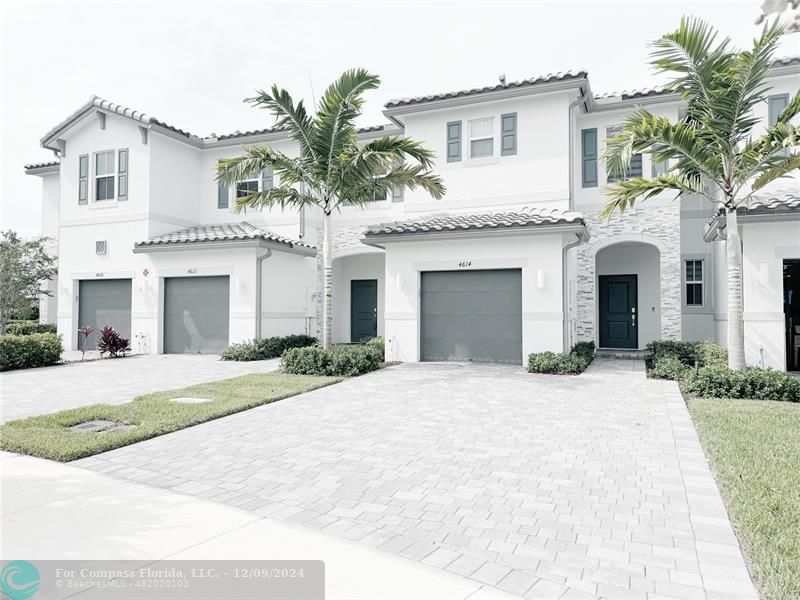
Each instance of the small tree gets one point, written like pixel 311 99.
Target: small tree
pixel 715 156
pixel 332 168
pixel 24 267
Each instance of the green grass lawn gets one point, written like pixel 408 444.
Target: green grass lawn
pixel 50 436
pixel 754 447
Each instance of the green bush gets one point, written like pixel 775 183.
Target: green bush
pixel 29 327
pixel 554 363
pixel 339 361
pixel 266 348
pixel 710 354
pixel 26 351
pixel 377 342
pixel 751 382
pixel 686 352
pixel 669 367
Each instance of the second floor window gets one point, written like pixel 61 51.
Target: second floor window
pixel 635 168
pixel 104 175
pixel 246 187
pixel 694 282
pixel 481 138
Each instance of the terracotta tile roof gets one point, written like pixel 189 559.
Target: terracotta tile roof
pixel 549 78
pixel 478 221
pixel 221 233
pixel 267 131
pixel 42 165
pixel 778 202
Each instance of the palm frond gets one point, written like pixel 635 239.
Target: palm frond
pixel 257 159
pixel 281 196
pixel 624 194
pixel 339 106
pixel 792 109
pixel 785 166
pixel 288 115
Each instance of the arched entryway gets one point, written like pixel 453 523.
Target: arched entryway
pixel 628 294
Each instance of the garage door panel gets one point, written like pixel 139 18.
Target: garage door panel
pixel 104 302
pixel 472 315
pixel 196 314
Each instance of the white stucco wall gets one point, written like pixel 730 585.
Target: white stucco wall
pixel 642 260
pixel 368 265
pixel 286 303
pixel 542 322
pixel 538 174
pixel 697 322
pixel 48 305
pixel 765 246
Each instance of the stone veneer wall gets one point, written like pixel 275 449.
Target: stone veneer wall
pixel 657 225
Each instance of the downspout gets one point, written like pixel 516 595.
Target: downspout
pixel 259 261
pixel 565 291
pixel 571 151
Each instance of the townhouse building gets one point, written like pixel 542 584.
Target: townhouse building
pixel 514 259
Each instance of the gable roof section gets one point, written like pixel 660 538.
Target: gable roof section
pixel 781 203
pixel 193 237
pixel 477 222
pixel 97 104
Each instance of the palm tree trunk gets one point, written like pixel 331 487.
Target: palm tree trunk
pixel 327 309
pixel 733 250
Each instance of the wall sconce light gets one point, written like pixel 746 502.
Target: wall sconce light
pixel 540 279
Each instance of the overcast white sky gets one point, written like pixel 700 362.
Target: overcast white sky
pixel 190 64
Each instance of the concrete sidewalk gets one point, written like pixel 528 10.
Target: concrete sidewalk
pixel 56 511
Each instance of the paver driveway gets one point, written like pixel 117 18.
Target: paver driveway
pixel 542 486
pixel 39 391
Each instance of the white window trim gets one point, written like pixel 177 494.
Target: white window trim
pixel 471 138
pixel 701 282
pixel 232 193
pixel 93 201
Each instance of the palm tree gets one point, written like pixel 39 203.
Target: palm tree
pixel 713 151
pixel 332 168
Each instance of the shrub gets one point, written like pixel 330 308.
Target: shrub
pixel 112 343
pixel 26 351
pixel 750 382
pixel 29 327
pixel 686 352
pixel 341 361
pixel 585 349
pixel 573 363
pixel 710 354
pixel 669 367
pixel 266 348
pixel 377 342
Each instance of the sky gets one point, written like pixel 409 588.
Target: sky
pixel 190 64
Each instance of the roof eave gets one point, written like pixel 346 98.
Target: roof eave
pixel 379 240
pixel 43 170
pixel 393 112
pixel 154 247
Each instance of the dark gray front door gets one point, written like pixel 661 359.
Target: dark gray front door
pixel 618 311
pixel 363 309
pixel 196 314
pixel 472 316
pixel 104 302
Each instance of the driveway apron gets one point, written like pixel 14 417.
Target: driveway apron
pixel 540 486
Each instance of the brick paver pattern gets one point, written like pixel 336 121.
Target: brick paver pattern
pixel 540 486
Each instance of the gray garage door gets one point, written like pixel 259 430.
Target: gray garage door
pixel 104 302
pixel 472 315
pixel 196 314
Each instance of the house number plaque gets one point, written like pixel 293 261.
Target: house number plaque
pixel 464 264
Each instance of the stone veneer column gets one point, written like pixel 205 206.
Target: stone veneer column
pixel 656 225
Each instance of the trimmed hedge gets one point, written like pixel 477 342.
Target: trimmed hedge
pixel 751 382
pixel 29 327
pixel 27 351
pixel 266 348
pixel 339 361
pixel 712 378
pixel 553 363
